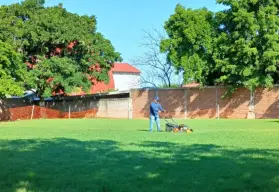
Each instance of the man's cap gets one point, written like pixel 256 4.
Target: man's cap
pixel 157 98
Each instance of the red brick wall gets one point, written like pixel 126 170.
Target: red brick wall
pixel 267 103
pixel 179 103
pixel 207 103
pixel 201 103
pixel 173 102
pixel 24 113
pixel 237 106
pixel 141 100
pixel 11 110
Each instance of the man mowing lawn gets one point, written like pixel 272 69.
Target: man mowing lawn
pixel 155 108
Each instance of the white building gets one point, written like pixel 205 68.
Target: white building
pixel 125 76
pixel 122 77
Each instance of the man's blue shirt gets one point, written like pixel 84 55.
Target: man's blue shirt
pixel 155 108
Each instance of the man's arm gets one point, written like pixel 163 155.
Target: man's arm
pixel 161 108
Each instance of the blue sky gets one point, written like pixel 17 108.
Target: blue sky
pixel 122 21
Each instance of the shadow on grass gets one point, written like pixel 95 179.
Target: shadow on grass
pixel 274 121
pixel 104 165
pixel 143 130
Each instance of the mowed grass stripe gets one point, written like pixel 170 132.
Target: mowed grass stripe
pixel 120 155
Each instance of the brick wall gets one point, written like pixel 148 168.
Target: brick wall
pixel 140 102
pixel 267 103
pixel 201 103
pixel 15 109
pixel 189 103
pixel 237 106
pixel 207 103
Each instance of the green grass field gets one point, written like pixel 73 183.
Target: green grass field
pixel 120 155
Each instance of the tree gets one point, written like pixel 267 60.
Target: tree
pixel 191 43
pixel 157 70
pixel 12 71
pixel 62 50
pixel 247 48
pixel 236 47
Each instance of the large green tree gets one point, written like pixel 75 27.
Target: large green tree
pixel 12 71
pixel 62 50
pixel 190 43
pixel 234 47
pixel 248 45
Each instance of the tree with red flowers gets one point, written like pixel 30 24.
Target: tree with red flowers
pixel 61 50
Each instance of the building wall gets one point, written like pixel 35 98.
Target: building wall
pixel 20 109
pixel 126 81
pixel 113 108
pixel 195 103
pixel 191 103
pixel 267 103
pixel 237 106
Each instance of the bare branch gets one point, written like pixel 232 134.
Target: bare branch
pixel 146 81
pixel 155 67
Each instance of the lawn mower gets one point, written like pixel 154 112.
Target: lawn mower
pixel 175 127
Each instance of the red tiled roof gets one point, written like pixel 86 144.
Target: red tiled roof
pixel 191 85
pixel 99 87
pixel 125 68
